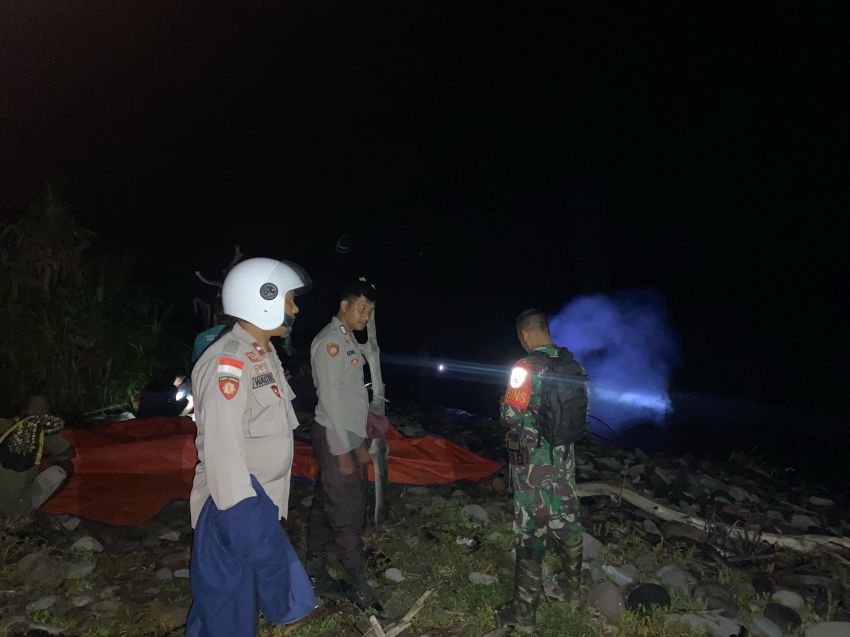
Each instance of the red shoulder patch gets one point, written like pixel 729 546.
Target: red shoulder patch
pixel 518 393
pixel 228 386
pixel 333 349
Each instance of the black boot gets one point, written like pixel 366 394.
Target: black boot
pixel 358 590
pixel 322 581
pixel 570 553
pixel 520 612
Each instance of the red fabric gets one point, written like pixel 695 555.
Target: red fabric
pixel 125 472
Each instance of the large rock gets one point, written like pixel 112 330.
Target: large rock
pixel 716 597
pixel 715 624
pixel 590 548
pixel 789 599
pixel 79 570
pixel 786 618
pixel 829 629
pixel 763 627
pixel 676 578
pixel 41 570
pixel 87 543
pixel 607 598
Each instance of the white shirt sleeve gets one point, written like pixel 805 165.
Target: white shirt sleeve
pixel 227 475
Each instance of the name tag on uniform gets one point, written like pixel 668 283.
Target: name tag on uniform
pixel 261 380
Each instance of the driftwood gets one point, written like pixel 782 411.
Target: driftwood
pixel 801 543
pixel 378 450
pixel 376 630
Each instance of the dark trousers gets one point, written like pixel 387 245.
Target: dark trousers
pixel 337 516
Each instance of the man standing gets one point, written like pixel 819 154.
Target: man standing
pixel 337 516
pixel 241 558
pixel 542 473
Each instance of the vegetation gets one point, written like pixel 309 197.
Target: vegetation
pixel 73 328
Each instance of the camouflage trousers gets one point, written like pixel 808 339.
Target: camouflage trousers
pixel 545 501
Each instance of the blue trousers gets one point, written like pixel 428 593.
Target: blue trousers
pixel 243 562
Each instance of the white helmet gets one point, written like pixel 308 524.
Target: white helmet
pixel 255 291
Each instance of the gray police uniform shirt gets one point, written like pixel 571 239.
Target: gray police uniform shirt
pixel 343 406
pixel 243 409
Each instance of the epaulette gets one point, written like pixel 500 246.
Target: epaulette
pixel 231 346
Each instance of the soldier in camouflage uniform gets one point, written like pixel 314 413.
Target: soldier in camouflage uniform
pixel 543 478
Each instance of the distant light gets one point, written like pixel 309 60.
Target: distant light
pixel 441 368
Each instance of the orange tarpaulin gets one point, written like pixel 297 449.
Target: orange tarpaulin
pixel 125 472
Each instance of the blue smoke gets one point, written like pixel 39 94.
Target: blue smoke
pixel 626 345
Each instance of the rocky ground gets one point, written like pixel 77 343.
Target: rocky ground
pixel 643 576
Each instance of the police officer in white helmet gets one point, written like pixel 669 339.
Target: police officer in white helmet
pixel 241 558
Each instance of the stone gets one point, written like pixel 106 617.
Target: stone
pixel 79 570
pixel 170 536
pixel 87 543
pixel 78 601
pixel 619 576
pixel 172 617
pixel 416 491
pixel 607 462
pixel 483 579
pixel 711 483
pixel 646 597
pixel 106 606
pixel 182 573
pixel 70 523
pixel 590 548
pixel 803 522
pixel 40 569
pixel 394 575
pixel 762 627
pixel 650 527
pixel 770 514
pixel 42 603
pixel 676 578
pixel 607 598
pixel 828 629
pixel 739 495
pixel 715 624
pixel 716 597
pixel 477 512
pixel 789 599
pixel 786 618
pixel 17 622
pixel 668 477
pixel 646 562
pixel 821 502
pixel 164 573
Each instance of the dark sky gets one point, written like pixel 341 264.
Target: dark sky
pixel 484 158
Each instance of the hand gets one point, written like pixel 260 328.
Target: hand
pixel 346 464
pixel 362 453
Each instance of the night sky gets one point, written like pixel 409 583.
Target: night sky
pixel 483 157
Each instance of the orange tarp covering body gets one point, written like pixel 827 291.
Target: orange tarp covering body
pixel 125 472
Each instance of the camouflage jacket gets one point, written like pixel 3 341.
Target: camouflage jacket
pixel 521 401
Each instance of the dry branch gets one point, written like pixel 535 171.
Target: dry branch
pixel 802 543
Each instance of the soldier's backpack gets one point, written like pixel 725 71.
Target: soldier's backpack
pixel 563 400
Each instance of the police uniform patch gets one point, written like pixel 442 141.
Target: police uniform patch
pixel 258 348
pixel 342 329
pixel 228 386
pixel 262 368
pixel 350 352
pixel 261 380
pixel 518 393
pixel 355 361
pixel 230 366
pixel 276 390
pixel 333 349
pixel 252 356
